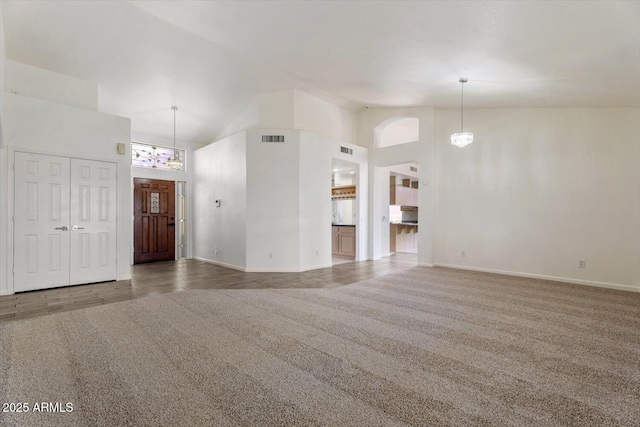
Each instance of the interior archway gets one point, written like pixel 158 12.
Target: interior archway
pixel 397 130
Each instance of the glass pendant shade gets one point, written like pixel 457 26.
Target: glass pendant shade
pixel 461 139
pixel 174 162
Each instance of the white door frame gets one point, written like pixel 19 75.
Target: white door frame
pixel 11 208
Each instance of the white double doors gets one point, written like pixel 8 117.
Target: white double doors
pixel 64 221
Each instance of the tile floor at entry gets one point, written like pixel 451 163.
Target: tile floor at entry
pixel 174 276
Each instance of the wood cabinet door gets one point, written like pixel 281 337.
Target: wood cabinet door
pixel 154 220
pixel 403 196
pixel 348 244
pixel 392 191
pixel 335 241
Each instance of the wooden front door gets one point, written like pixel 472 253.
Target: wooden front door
pixel 154 220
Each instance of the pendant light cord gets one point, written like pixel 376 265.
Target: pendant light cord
pixel 461 110
pixel 174 108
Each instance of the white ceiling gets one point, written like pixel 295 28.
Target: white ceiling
pixel 212 58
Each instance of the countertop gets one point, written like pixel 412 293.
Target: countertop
pixel 404 223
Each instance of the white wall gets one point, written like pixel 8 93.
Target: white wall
pixel 50 128
pixel 3 73
pixel 277 110
pixel 405 169
pixel 323 118
pixel 273 202
pixel 400 132
pixel 249 118
pixel 292 109
pixel 344 178
pixel 315 201
pixel 170 175
pixel 268 111
pixel 4 170
pixel 34 82
pixel 219 171
pixel 540 189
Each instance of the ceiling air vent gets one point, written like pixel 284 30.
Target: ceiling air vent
pixel 413 169
pixel 272 138
pixel 346 150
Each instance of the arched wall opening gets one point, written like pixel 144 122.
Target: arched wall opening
pixel 396 131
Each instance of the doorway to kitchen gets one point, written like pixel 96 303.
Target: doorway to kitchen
pixel 403 208
pixel 344 211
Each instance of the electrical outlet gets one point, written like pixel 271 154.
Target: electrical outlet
pixel 582 263
pixel 270 255
pixel 317 252
pixel 463 253
pixel 215 252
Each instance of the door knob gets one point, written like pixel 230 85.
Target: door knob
pixel 75 227
pixel 63 228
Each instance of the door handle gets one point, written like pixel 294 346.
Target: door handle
pixel 63 228
pixel 75 227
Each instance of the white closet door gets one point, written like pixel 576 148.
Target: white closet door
pixel 41 218
pixel 92 221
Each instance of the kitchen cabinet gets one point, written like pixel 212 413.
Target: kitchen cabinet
pixel 406 194
pixel 403 238
pixel 343 241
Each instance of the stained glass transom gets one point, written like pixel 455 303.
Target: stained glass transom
pixel 153 156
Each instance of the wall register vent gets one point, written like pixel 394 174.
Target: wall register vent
pixel 346 150
pixel 272 138
pixel 414 169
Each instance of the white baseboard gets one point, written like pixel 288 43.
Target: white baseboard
pixel 317 267
pixel 286 270
pixel 617 286
pixel 221 264
pixel 424 264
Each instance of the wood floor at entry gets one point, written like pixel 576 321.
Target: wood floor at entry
pixel 154 220
pixel 165 277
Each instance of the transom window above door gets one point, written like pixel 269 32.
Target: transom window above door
pixel 154 156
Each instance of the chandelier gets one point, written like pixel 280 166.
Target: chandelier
pixel 174 162
pixel 462 139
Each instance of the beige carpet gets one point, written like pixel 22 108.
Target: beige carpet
pixel 425 347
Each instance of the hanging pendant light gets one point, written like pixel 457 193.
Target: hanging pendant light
pixel 174 162
pixel 462 139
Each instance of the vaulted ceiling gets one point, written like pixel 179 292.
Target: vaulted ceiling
pixel 212 58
